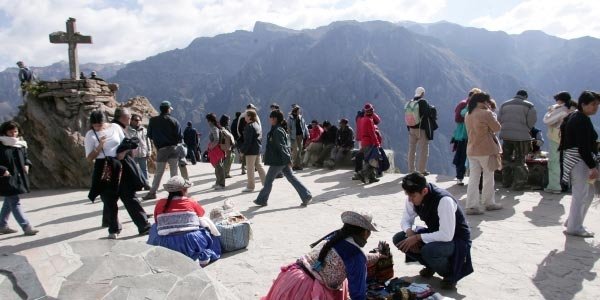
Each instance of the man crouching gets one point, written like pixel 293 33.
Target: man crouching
pixel 444 246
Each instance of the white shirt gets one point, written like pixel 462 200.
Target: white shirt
pixel 114 135
pixel 447 214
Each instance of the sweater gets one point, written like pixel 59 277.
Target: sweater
pixel 181 216
pixel 580 133
pixel 481 126
pixel 517 117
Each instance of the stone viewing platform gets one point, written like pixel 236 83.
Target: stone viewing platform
pixel 519 252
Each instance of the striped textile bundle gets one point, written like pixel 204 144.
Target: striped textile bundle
pixel 570 158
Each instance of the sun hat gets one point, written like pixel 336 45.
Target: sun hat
pixel 176 184
pixel 360 219
pixel 419 91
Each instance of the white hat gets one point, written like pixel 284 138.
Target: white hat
pixel 176 184
pixel 360 219
pixel 419 91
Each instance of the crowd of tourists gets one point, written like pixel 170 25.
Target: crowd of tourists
pixel 486 139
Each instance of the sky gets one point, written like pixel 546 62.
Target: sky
pixel 129 30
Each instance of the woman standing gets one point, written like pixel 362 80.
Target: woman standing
pixel 335 269
pixel 215 153
pixel 579 149
pixel 179 225
pixel 553 118
pixel 279 160
pixel 228 146
pixel 251 150
pixel 14 177
pixel 482 151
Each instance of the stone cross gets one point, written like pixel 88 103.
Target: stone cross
pixel 71 37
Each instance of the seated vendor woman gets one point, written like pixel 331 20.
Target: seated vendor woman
pixel 335 269
pixel 180 226
pixel 444 246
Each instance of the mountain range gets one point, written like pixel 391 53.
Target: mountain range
pixel 332 71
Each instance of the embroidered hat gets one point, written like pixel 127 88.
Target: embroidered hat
pixel 176 184
pixel 419 91
pixel 360 219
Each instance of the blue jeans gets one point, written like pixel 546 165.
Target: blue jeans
pixel 460 158
pixel 143 163
pixel 12 205
pixel 434 255
pixel 263 196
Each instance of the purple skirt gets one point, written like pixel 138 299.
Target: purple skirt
pixel 198 245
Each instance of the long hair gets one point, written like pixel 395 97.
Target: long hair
pixel 477 98
pixel 278 115
pixel 585 98
pixel 10 125
pixel 170 198
pixel 346 231
pixel 252 115
pixel 212 118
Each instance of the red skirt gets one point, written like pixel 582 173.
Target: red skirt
pixel 294 284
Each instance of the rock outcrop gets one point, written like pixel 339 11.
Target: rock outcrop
pixel 54 120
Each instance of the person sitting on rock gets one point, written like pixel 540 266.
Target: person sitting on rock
pixel 336 267
pixel 444 246
pixel 179 225
pixel 344 143
pixel 313 146
pixel 94 76
pixel 327 141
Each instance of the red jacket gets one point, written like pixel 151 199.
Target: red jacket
pixel 459 107
pixel 315 134
pixel 367 132
pixel 376 120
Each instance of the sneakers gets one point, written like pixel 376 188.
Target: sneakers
pixel 583 234
pixel 474 211
pixel 493 206
pixel 145 231
pixel 247 190
pixel 306 201
pixel 426 272
pixel 459 182
pixel 219 187
pixel 7 230
pixel 258 203
pixel 446 284
pixel 112 236
pixel 29 230
pixel 149 196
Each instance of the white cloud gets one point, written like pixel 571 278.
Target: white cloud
pixel 566 19
pixel 134 32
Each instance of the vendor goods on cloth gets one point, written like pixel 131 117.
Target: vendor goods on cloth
pixel 234 227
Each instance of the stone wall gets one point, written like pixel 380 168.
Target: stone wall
pixel 54 120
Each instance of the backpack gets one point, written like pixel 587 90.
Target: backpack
pixel 411 113
pixel 226 140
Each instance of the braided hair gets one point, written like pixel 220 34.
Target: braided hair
pixel 171 196
pixel 346 231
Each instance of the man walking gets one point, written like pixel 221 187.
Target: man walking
pixel 165 132
pixel 517 117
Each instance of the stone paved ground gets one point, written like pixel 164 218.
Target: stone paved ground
pixel 519 252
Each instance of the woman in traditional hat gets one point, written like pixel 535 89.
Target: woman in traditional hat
pixel 336 268
pixel 180 225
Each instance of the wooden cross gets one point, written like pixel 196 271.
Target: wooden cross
pixel 71 37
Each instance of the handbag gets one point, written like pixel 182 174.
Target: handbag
pixel 495 160
pixel 107 169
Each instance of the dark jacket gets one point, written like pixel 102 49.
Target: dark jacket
pixel 164 131
pixel 252 139
pixel 345 137
pixel 233 129
pixel 428 212
pixel 14 160
pixel 578 132
pixel 428 118
pixel 98 187
pixel 278 149
pixel 190 136
pixel 329 135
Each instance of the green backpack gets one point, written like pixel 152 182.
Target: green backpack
pixel 411 113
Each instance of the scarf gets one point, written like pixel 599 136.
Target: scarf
pixel 13 142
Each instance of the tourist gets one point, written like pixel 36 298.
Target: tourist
pixel 240 130
pixel 579 148
pixel 420 118
pixel 327 141
pixel 108 179
pixel 313 145
pixel 142 153
pixel 344 143
pixel 553 119
pixel 278 158
pixel 444 246
pixel 336 268
pixel 483 151
pixel 251 150
pixel 459 138
pixel 369 145
pixel 298 132
pixel 180 225
pixel 94 76
pixel 82 76
pixel 238 140
pixel 26 76
pixel 517 116
pixel 215 153
pixel 190 138
pixel 228 146
pixel 165 132
pixel 14 177
pixel 360 157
